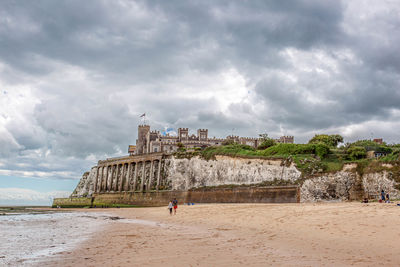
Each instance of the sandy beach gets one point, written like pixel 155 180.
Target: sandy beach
pixel 323 234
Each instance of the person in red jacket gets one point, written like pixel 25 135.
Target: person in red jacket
pixel 175 204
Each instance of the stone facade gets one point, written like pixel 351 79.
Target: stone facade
pixel 153 141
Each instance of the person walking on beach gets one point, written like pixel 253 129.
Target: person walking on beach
pixel 175 203
pixel 383 195
pixel 170 207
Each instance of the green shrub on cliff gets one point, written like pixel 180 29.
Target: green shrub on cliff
pixel 280 150
pixel 330 140
pixel 369 145
pixel 394 156
pixel 266 144
pixel 356 152
pixel 230 150
pixel 320 150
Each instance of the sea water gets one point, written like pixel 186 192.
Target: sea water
pixel 28 238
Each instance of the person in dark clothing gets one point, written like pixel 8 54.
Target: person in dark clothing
pixel 383 195
pixel 175 204
pixel 387 198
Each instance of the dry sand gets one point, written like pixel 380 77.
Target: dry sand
pixel 327 234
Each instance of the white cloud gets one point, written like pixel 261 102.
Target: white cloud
pixel 28 195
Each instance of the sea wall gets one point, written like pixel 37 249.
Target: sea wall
pixel 72 202
pixel 273 194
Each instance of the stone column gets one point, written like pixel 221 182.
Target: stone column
pixel 100 177
pixel 122 177
pixel 115 180
pixel 105 173
pixel 106 176
pixel 135 176
pixel 148 187
pixel 110 177
pixel 158 174
pixel 128 177
pixel 95 179
pixel 143 176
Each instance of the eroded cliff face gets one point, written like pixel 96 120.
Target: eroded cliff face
pixel 184 174
pixel 330 186
pixel 85 186
pixel 373 183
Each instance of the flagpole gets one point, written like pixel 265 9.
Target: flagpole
pixel 143 117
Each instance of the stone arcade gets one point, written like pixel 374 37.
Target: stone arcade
pixel 131 173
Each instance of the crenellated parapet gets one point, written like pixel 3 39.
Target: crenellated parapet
pixel 153 141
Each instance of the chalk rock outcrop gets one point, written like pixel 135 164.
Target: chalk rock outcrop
pixel 373 183
pixel 85 186
pixel 330 186
pixel 196 172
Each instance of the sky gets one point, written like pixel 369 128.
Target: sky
pixel 76 75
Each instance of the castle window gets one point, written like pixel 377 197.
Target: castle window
pixel 155 149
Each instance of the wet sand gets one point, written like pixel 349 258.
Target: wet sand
pixel 328 234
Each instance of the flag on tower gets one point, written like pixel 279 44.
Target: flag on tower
pixel 144 114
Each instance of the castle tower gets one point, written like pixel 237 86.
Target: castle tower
pixel 142 142
pixel 202 134
pixel 183 134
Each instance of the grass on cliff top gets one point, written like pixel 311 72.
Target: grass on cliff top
pixel 229 150
pixel 309 158
pixel 276 151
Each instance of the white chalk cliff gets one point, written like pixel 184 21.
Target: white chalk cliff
pixel 185 173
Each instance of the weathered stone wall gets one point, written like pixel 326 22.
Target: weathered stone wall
pixel 270 194
pixel 144 199
pixel 274 194
pixel 72 202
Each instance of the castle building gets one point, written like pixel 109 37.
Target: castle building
pixel 153 141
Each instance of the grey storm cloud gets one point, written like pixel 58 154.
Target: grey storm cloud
pixel 76 75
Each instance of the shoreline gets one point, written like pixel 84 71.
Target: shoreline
pixel 344 233
pixel 32 236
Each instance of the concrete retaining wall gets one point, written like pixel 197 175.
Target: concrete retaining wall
pixel 74 202
pixel 275 194
pixel 271 194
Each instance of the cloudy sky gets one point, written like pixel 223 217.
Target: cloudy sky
pixel 76 75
